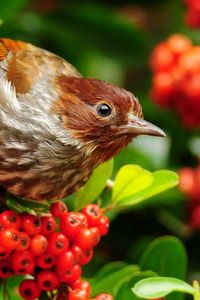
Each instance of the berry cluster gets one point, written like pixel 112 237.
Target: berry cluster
pixel 189 184
pixel 176 78
pixel 192 17
pixel 52 249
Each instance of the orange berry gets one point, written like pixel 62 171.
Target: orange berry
pixel 179 43
pixel 161 58
pixel 190 60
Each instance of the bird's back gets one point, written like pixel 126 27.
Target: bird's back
pixel 34 162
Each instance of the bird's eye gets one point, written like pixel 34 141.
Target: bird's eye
pixel 104 110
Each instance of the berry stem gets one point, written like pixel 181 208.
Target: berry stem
pixel 6 294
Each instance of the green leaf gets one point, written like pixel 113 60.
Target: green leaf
pixel 130 180
pixel 8 9
pixel 12 285
pixel 163 254
pixel 94 186
pixel 156 287
pixel 125 291
pixel 108 269
pixel 22 205
pixel 162 180
pixel 113 281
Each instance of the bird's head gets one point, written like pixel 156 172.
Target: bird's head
pixel 104 117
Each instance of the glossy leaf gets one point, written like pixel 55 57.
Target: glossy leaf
pixel 22 205
pixel 162 180
pixel 162 255
pixel 125 291
pixel 130 180
pixel 94 186
pixel 113 281
pixel 108 269
pixel 156 287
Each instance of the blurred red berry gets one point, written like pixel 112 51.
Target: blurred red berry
pixel 178 43
pixel 161 58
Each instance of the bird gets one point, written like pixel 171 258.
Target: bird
pixel 57 126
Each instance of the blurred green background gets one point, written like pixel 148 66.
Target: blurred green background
pixel 112 40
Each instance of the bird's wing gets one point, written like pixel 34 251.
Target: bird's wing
pixel 24 65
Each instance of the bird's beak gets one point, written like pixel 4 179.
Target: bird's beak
pixel 137 126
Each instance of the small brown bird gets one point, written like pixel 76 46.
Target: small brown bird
pixel 55 125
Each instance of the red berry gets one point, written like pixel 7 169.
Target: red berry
pixel 65 261
pixel 48 225
pixel 190 60
pixel 163 83
pixel 10 219
pixel 162 58
pixel 77 295
pixel 70 276
pixel 103 225
pixel 57 243
pixel 29 289
pixel 24 241
pixel 31 224
pixel 191 87
pixel 5 269
pixel 38 244
pixel 179 43
pixel 70 224
pixel 47 280
pixel 83 219
pixel 22 262
pixel 104 296
pixel 10 238
pixel 77 252
pixel 4 253
pixel 187 182
pixel 93 213
pixel 86 256
pixel 45 261
pixel 86 238
pixel 82 285
pixel 58 208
